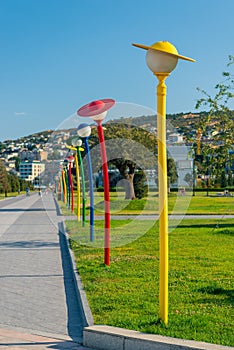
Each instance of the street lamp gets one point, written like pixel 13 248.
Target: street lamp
pixel 77 179
pixel 97 110
pixel 66 183
pixel 64 186
pixel 161 58
pixel 80 161
pixel 84 131
pixel 61 196
pixel 71 161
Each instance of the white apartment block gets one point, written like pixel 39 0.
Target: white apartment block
pixel 30 170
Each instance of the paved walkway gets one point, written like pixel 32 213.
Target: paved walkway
pixel 38 302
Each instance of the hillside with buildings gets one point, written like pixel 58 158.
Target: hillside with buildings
pixel 39 156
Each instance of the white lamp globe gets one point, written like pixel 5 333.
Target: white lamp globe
pixel 160 62
pixel 76 142
pixel 99 117
pixel 84 130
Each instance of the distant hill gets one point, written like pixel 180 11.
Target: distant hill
pixel 185 124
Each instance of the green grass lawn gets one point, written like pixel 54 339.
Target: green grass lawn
pixel 10 194
pixel 199 204
pixel 201 281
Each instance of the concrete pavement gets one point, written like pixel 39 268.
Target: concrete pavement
pixel 37 290
pixel 19 339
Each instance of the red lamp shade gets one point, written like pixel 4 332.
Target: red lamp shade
pixel 95 108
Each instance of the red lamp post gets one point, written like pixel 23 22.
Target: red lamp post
pixel 97 110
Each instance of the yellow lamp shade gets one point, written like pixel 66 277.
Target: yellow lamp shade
pixel 164 46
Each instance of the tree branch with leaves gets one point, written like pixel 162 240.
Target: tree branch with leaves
pixel 217 126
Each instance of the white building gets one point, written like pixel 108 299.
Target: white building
pixel 30 170
pixel 184 163
pixel 175 138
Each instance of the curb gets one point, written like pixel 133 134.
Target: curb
pixel 87 317
pixel 113 338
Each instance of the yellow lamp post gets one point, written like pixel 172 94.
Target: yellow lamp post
pixel 64 186
pixel 77 179
pixel 76 144
pixel 162 58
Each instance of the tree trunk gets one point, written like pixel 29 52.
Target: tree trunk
pixel 130 192
pixel 128 171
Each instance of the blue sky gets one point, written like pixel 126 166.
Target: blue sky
pixel 57 55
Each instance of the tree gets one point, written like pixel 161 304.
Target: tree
pixel 217 126
pixel 55 155
pixel 140 184
pixel 17 162
pixel 223 179
pixel 230 178
pixel 2 146
pixel 13 182
pixel 4 181
pixel 130 149
pixel 171 172
pixel 24 184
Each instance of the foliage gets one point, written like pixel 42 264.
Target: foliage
pixel 189 179
pixel 4 183
pixel 10 182
pixel 230 178
pixel 218 126
pixel 171 171
pixel 24 184
pixel 55 155
pixel 140 184
pixel 17 162
pixel 223 179
pixel 14 183
pixel 2 146
pixel 130 149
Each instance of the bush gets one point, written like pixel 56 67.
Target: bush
pixel 140 184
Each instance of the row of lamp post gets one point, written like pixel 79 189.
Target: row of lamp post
pixel 96 110
pixel 66 180
pixel 161 58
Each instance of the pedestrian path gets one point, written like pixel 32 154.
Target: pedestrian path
pixel 17 339
pixel 37 292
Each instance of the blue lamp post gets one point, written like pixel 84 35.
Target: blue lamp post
pixel 84 131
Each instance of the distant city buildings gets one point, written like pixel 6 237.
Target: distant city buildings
pixel 175 138
pixel 29 171
pixel 29 156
